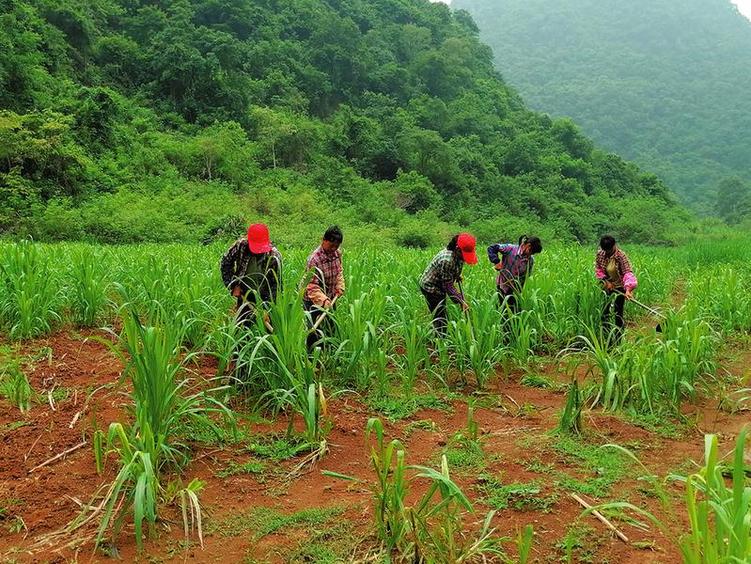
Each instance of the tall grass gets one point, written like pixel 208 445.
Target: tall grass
pixel 719 513
pixel 162 400
pixel 30 295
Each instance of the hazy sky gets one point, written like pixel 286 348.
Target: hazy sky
pixel 743 5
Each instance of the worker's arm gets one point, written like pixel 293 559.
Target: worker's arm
pixel 497 250
pixel 275 283
pixel 228 264
pixel 600 273
pixel 629 280
pixel 453 292
pixel 339 288
pixel 314 290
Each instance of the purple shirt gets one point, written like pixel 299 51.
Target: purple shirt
pixel 516 266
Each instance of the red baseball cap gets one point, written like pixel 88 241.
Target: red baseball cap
pixel 258 238
pixel 466 244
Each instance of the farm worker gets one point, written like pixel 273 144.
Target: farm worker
pixel 442 275
pixel 613 270
pixel 514 264
pixel 252 271
pixel 326 283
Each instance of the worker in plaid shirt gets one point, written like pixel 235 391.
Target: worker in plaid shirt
pixel 252 272
pixel 514 264
pixel 442 275
pixel 326 281
pixel 613 270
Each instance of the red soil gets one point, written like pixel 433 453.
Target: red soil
pixel 46 498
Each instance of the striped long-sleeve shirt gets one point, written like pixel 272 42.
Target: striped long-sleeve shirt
pixel 515 266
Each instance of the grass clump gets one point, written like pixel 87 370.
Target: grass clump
pixel 278 448
pixel 14 384
pixel 233 468
pixel 596 468
pixel 520 496
pixel 532 380
pixel 264 521
pixel 398 407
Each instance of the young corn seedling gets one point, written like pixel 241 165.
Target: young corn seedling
pixel 14 384
pixel 90 287
pixel 719 514
pixel 432 529
pixel 162 400
pixel 571 419
pixel 29 293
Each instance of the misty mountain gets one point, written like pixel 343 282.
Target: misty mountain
pixel 131 120
pixel 663 82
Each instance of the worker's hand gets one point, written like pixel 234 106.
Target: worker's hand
pixel 338 293
pixel 609 286
pixel 465 307
pixel 327 304
pixel 629 294
pixel 498 266
pixel 266 318
pixel 237 292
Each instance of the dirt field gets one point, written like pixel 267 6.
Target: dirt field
pixel 253 512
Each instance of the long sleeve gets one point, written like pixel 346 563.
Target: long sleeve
pixel 629 280
pixel 498 249
pixel 275 284
pixel 315 293
pixel 600 266
pixel 339 286
pixel 228 264
pixel 453 292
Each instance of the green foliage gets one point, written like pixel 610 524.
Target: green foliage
pixel 432 529
pixel 519 496
pixel 266 521
pixel 718 512
pixel 30 292
pixel 571 418
pixel 14 384
pixel 127 122
pixel 619 70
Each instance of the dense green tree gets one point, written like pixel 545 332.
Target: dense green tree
pixel 662 82
pixel 134 120
pixel 733 200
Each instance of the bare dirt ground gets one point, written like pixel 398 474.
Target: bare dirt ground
pixel 76 375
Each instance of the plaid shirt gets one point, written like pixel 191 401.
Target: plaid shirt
pixel 442 274
pixel 625 279
pixel 516 266
pixel 257 274
pixel 328 276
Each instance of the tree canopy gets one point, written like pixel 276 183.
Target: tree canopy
pixel 661 82
pixel 132 120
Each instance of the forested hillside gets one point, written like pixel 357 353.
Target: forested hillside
pixel 130 120
pixel 663 82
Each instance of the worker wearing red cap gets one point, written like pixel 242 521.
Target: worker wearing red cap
pixel 442 275
pixel 252 271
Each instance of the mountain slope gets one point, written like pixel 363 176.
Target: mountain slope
pixel 662 82
pixel 130 120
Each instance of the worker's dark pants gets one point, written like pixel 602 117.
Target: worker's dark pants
pixel 313 313
pixel 509 298
pixel 437 307
pixel 245 317
pixel 614 304
pixel 246 313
